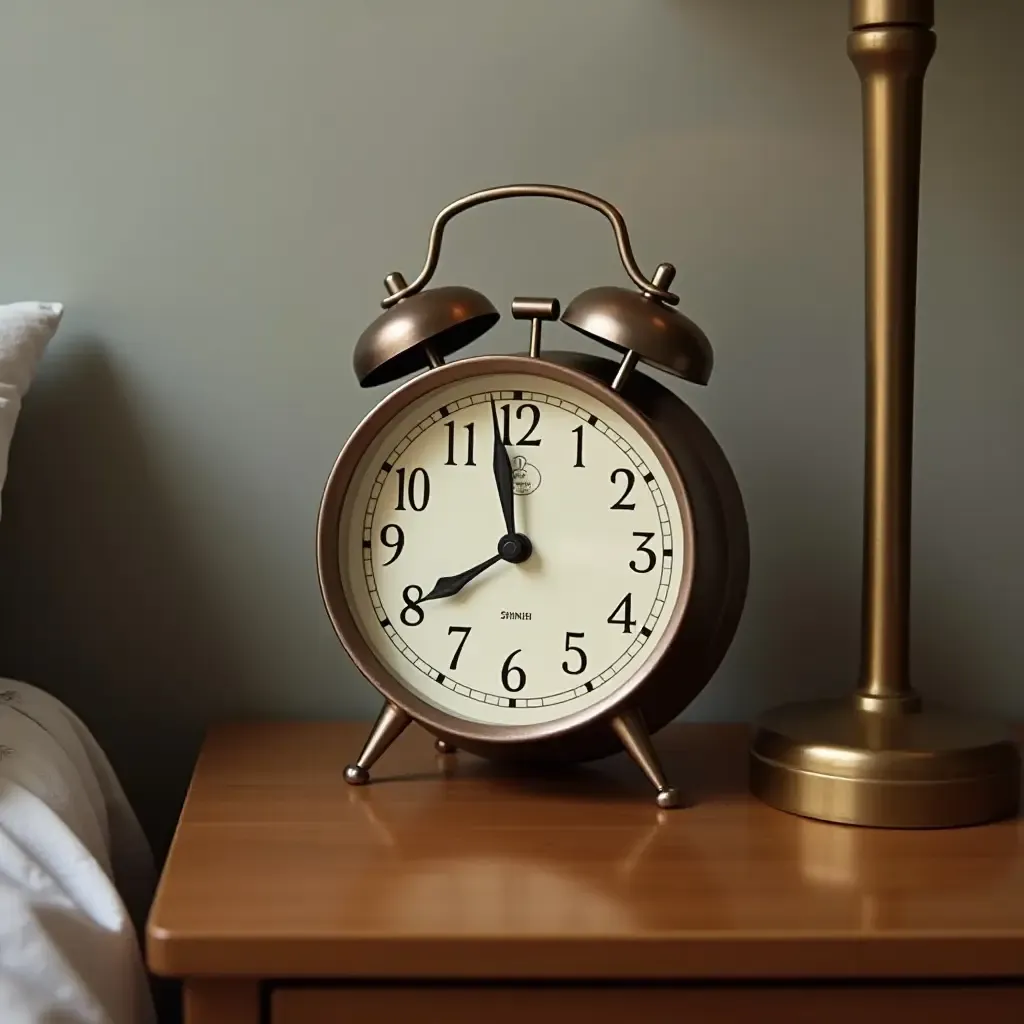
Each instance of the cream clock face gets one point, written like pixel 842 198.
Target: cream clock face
pixel 528 642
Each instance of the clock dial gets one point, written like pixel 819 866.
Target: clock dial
pixel 511 643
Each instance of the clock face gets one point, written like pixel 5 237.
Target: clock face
pixel 521 643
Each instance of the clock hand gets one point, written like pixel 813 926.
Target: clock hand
pixel 449 586
pixel 503 476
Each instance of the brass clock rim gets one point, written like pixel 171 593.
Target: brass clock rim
pixel 333 589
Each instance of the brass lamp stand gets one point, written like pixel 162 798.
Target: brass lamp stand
pixel 879 758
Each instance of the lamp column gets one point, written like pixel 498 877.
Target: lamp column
pixel 881 758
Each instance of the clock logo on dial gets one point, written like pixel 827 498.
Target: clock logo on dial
pixel 525 476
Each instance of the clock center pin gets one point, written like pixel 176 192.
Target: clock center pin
pixel 515 548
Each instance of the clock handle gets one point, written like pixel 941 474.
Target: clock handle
pixel 420 326
pixel 490 195
pixel 632 732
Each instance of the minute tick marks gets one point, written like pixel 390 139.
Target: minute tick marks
pixel 435 511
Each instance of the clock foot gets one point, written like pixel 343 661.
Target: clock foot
pixel 668 798
pixel 632 733
pixel 390 724
pixel 444 747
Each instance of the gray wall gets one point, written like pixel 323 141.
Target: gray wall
pixel 217 189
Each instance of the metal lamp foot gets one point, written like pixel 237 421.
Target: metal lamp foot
pixel 444 747
pixel 390 724
pixel 632 733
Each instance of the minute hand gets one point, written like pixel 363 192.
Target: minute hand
pixel 449 586
pixel 503 476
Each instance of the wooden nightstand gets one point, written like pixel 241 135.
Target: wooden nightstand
pixel 456 890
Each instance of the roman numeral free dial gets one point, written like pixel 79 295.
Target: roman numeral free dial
pixel 516 550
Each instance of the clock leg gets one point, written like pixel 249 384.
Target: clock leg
pixel 631 731
pixel 444 747
pixel 390 724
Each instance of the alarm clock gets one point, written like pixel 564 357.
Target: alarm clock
pixel 540 555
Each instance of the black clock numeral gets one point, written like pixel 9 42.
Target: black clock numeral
pixel 451 444
pixel 506 673
pixel 397 544
pixel 627 622
pixel 506 412
pixel 577 650
pixel 642 546
pixel 465 631
pixel 578 431
pixel 630 480
pixel 419 490
pixel 412 613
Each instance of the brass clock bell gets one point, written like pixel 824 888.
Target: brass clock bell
pixel 421 326
pixel 538 556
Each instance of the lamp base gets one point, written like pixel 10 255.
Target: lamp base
pixel 931 768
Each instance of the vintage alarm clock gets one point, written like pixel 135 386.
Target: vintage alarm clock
pixel 541 555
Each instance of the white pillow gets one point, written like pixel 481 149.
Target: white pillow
pixel 25 330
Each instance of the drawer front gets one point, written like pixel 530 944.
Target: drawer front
pixel 500 1004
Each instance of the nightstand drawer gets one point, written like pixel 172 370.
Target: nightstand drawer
pixel 554 1004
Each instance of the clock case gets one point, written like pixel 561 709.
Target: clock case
pixel 419 329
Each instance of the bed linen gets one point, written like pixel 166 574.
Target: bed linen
pixel 76 873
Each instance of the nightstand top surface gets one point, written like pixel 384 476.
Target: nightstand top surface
pixel 458 868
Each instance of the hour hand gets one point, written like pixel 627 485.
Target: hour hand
pixel 503 476
pixel 449 586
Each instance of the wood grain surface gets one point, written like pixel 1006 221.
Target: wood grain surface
pixel 456 868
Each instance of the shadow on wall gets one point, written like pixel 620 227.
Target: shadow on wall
pixel 799 632
pixel 100 581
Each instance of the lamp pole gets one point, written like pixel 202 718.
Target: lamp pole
pixel 881 757
pixel 891 60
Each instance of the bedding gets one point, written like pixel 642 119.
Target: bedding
pixel 76 873
pixel 25 330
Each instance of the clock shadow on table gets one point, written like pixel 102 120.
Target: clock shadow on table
pixel 577 782
pixel 615 778
pixel 535 847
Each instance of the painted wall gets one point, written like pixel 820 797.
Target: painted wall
pixel 216 191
